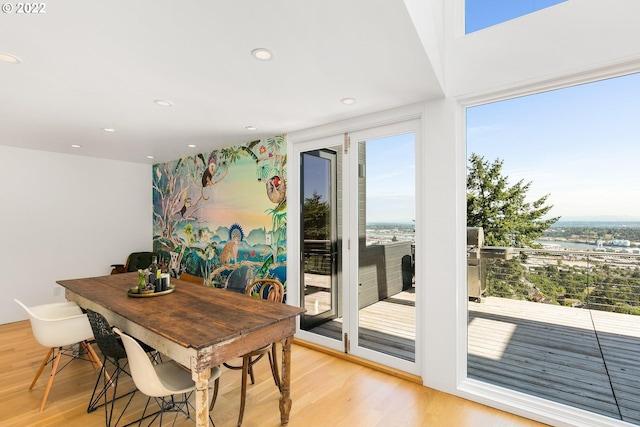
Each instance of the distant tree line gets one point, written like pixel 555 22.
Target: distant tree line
pixel 592 234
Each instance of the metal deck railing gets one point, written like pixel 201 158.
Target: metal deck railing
pixel 598 280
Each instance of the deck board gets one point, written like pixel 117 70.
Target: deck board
pixel 619 337
pixel 584 358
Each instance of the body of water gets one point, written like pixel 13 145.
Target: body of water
pixel 596 224
pixel 563 244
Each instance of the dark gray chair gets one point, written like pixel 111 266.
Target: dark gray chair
pixel 136 261
pixel 114 355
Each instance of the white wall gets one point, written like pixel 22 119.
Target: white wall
pixel 444 250
pixel 428 20
pixel 63 217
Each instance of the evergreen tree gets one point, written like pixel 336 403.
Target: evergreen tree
pixel 501 210
pixel 315 217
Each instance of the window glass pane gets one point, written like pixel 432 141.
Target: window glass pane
pixel 389 173
pixel 386 210
pixel 560 288
pixel 481 14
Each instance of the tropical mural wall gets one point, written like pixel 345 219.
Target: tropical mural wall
pixel 221 215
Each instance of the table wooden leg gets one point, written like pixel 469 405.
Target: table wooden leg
pixel 285 382
pixel 201 378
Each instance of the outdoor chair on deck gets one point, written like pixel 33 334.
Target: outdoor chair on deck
pixel 272 290
pixel 60 326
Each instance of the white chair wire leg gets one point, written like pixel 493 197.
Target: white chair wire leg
pixel 169 404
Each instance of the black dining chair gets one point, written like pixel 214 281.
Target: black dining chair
pixel 135 261
pixel 114 355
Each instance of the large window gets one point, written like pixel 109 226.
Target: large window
pixel 554 245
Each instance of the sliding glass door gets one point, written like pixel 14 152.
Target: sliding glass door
pixel 384 206
pixel 357 232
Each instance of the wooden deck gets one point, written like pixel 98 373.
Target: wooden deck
pixel 388 326
pixel 582 358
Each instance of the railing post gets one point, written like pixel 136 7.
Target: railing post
pixel 586 298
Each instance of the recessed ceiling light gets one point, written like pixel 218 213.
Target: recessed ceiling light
pixel 162 102
pixel 348 101
pixel 108 129
pixel 262 54
pixel 76 145
pixel 150 157
pixel 251 128
pixel 10 59
pixel 191 145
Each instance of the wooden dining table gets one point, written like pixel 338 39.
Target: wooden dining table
pixel 195 325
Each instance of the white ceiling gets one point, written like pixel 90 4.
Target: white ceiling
pixel 91 65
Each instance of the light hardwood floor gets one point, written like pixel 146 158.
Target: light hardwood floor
pixel 326 391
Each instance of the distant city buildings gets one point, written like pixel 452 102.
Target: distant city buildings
pixel 614 242
pixel 383 233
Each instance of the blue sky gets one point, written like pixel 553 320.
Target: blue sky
pixel 390 175
pixel 484 13
pixel 579 145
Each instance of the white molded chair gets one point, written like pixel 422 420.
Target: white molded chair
pixel 59 326
pixel 163 381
